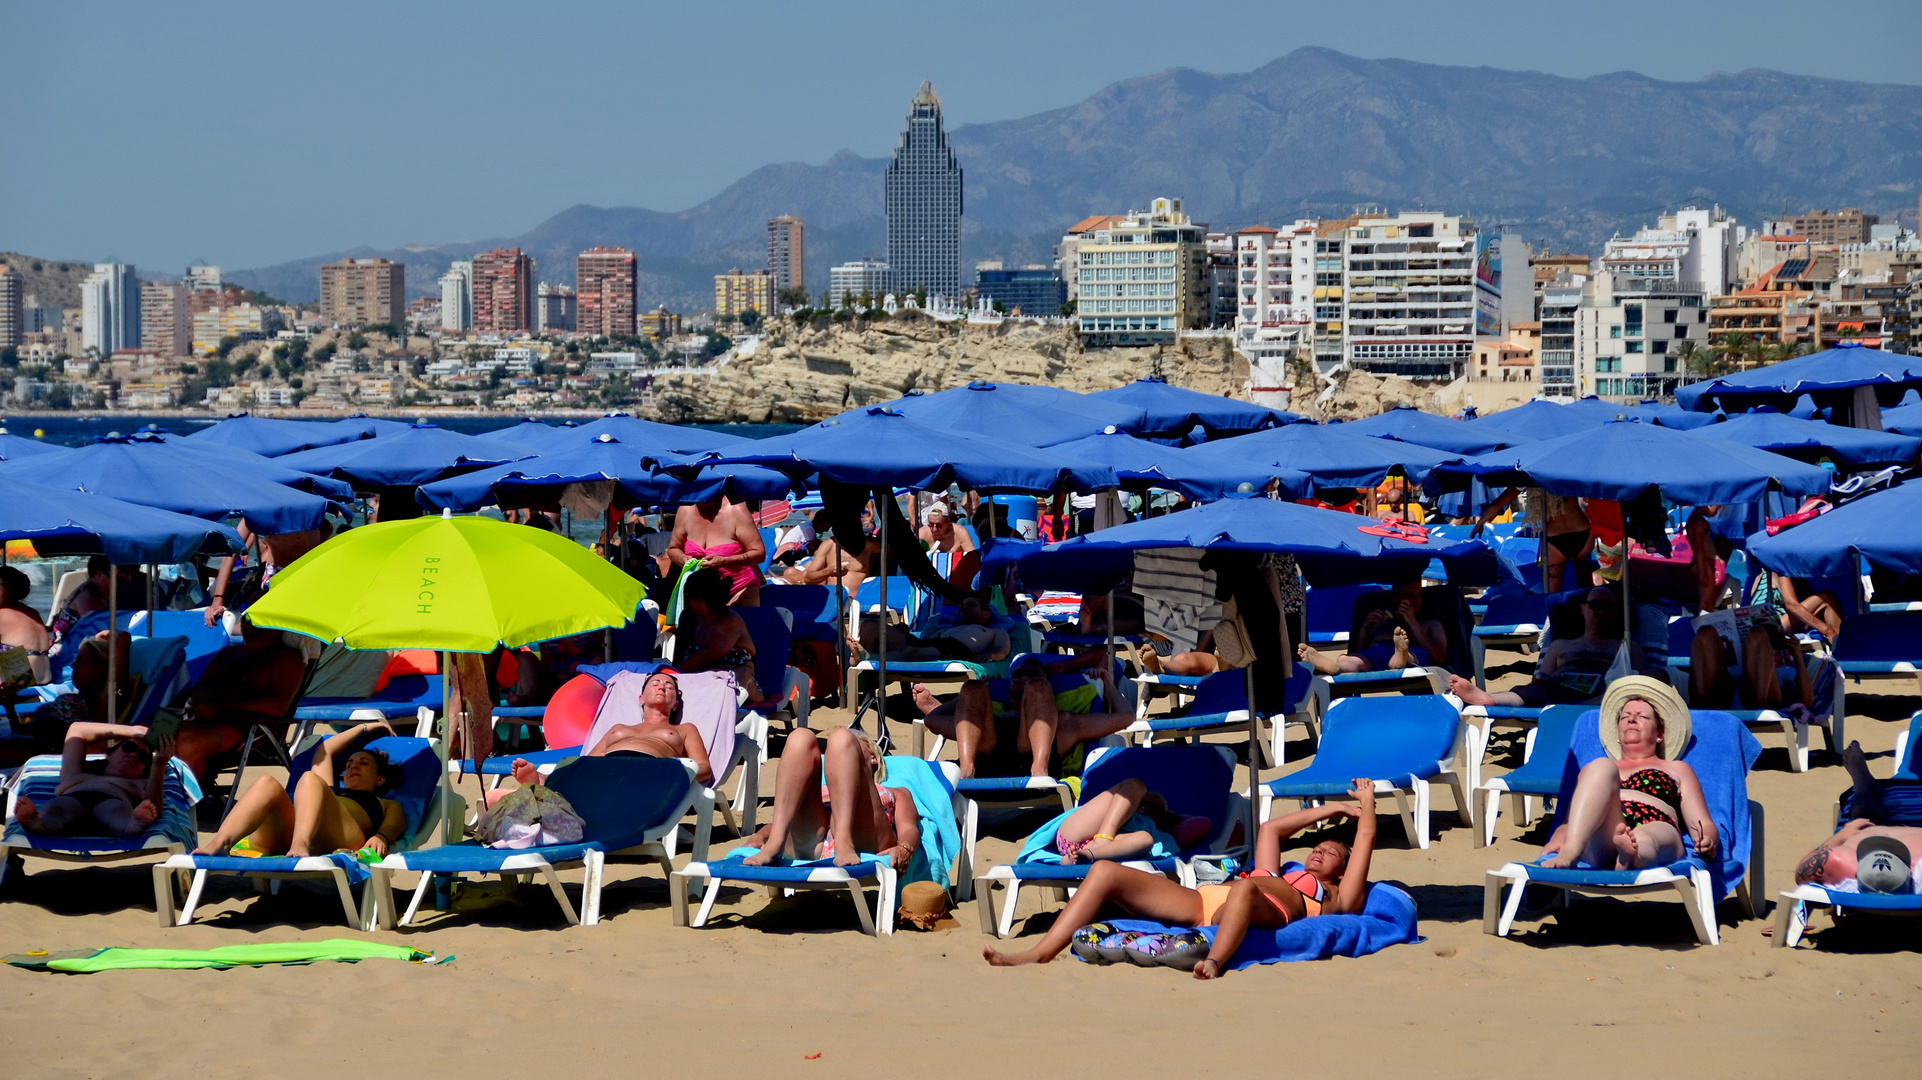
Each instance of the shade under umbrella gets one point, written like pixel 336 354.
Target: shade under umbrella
pixel 150 473
pixel 1175 410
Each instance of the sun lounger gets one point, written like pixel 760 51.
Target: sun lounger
pixel 1442 603
pixel 1513 620
pixel 1793 909
pixel 1908 750
pixel 172 832
pixel 1829 713
pixel 1221 704
pixel 420 763
pixel 202 641
pixel 1880 643
pixel 1404 744
pixel 1721 753
pixel 932 784
pixel 627 805
pixel 1544 753
pixel 403 696
pixel 1195 780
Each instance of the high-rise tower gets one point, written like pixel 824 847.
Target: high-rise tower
pixel 924 204
pixel 784 252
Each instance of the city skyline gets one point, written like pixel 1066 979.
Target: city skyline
pixel 61 209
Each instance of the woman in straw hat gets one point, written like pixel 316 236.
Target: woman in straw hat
pixel 1629 808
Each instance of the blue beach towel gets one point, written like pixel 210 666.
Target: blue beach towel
pixel 1039 849
pixel 1387 918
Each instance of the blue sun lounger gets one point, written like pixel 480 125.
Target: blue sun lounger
pixel 1721 752
pixel 627 806
pixel 420 763
pixel 1404 744
pixel 171 833
pixel 1880 643
pixel 1221 704
pixel 1793 910
pixel 1539 776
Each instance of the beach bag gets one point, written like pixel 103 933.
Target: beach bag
pixel 1232 647
pixel 530 816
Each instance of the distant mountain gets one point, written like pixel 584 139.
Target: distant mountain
pixel 50 282
pixel 1314 133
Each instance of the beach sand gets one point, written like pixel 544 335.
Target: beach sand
pixel 1604 987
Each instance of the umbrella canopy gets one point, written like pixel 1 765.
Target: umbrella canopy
pixel 420 455
pixel 1601 410
pixel 1406 423
pixel 1780 434
pixel 1540 419
pixel 1330 454
pixel 62 521
pixel 528 432
pixel 878 446
pixel 1878 527
pixel 369 427
pixel 1671 416
pixel 1140 464
pixel 603 460
pixel 648 435
pixel 14 447
pixel 1828 373
pixel 255 465
pixel 1173 410
pixel 460 584
pixel 1008 412
pixel 270 437
pixel 1903 420
pixel 1623 458
pixel 151 473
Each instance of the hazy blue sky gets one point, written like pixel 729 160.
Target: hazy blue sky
pixel 248 134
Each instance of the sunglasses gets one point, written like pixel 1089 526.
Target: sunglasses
pixel 138 750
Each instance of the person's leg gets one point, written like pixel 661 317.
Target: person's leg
pixel 1073 729
pixel 930 706
pixel 1471 694
pixel 1247 905
pixel 1145 895
pixel 1040 719
pixel 1865 801
pixel 969 721
pixel 854 811
pixel 51 818
pixel 1709 685
pixel 1093 831
pixel 1332 663
pixel 748 595
pixel 1552 568
pixel 1594 816
pixel 197 744
pixel 1761 689
pixel 1827 611
pixel 118 817
pixel 1656 843
pixel 798 821
pixel 1702 549
pixel 318 814
pixel 264 812
pixel 1191 663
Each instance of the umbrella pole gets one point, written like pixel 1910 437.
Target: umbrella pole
pixel 113 654
pixel 881 635
pixel 1628 602
pixel 1254 750
pixel 839 591
pixel 153 571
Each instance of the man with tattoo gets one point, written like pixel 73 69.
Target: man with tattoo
pixel 1833 862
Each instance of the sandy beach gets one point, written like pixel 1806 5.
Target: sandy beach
pixel 1584 992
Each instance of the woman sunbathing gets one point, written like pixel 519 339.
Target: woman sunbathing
pixel 115 800
pixel 832 805
pixel 319 816
pixel 1629 808
pixel 1333 881
pixel 1093 830
pixel 660 733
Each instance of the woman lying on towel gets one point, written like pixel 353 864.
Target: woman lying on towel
pixel 1629 808
pixel 319 817
pixel 830 804
pixel 116 800
pixel 1333 880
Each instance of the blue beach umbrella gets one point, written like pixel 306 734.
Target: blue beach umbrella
pixel 1878 527
pixel 420 455
pixel 1855 447
pixel 272 437
pixel 648 435
pixel 1406 423
pixel 1140 464
pixel 137 470
pixel 370 427
pixel 1830 374
pixel 1903 419
pixel 255 465
pixel 1329 453
pixel 1540 419
pixel 62 521
pixel 1012 413
pixel 529 432
pixel 1173 410
pixel 1671 416
pixel 15 447
pixel 605 459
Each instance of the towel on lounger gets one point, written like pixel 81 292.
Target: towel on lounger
pixel 1387 918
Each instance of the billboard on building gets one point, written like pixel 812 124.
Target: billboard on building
pixel 1488 285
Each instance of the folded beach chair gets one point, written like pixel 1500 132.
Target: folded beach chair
pixel 1544 752
pixel 420 763
pixel 1404 744
pixel 1442 603
pixel 1793 910
pixel 1221 704
pixel 1193 780
pixel 628 807
pixel 1721 752
pixel 172 832
pixel 932 785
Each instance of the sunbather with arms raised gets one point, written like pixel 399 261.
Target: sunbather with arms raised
pixel 116 800
pixel 1333 881
pixel 831 804
pixel 320 816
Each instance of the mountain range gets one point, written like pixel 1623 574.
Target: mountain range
pixel 1558 160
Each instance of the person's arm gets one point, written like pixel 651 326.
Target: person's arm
pixel 1274 833
pixel 907 830
pixel 741 528
pixel 218 603
pixel 1354 879
pixel 392 824
pixel 324 754
pixel 157 773
pixel 1814 865
pixel 696 751
pixel 1494 510
pixel 1794 606
pixel 1695 813
pixel 676 553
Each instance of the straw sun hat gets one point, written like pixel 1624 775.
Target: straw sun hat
pixel 1668 709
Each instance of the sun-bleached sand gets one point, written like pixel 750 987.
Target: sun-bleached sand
pixel 1598 989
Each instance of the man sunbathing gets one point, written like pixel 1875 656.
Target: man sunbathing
pixel 1391 638
pixel 1040 738
pixel 1835 862
pixel 115 801
pixel 1572 671
pixel 660 734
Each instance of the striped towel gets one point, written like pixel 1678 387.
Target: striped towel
pixel 1177 595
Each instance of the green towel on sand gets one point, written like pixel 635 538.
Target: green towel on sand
pixel 81 961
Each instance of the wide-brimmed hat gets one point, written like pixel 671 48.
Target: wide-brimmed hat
pixel 924 905
pixel 1668 709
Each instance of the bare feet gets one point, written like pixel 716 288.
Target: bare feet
pixel 1627 851
pixel 27 814
pixel 525 773
pixel 846 856
pixel 997 958
pixel 1402 658
pixel 924 699
pixel 216 846
pixel 763 840
pixel 1470 694
pixel 1209 968
pixel 1323 663
pixel 146 813
pixel 1150 662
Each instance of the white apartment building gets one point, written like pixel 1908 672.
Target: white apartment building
pixel 1398 295
pixel 1143 278
pixel 865 277
pixel 1274 294
pixel 110 309
pixel 1629 332
pixel 1698 248
pixel 457 296
pixel 202 277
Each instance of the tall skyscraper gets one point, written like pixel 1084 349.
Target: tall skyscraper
pixel 457 296
pixel 12 313
pixel 604 291
pixel 784 252
pixel 503 291
pixel 924 204
pixel 110 309
pixel 166 320
pixel 366 292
